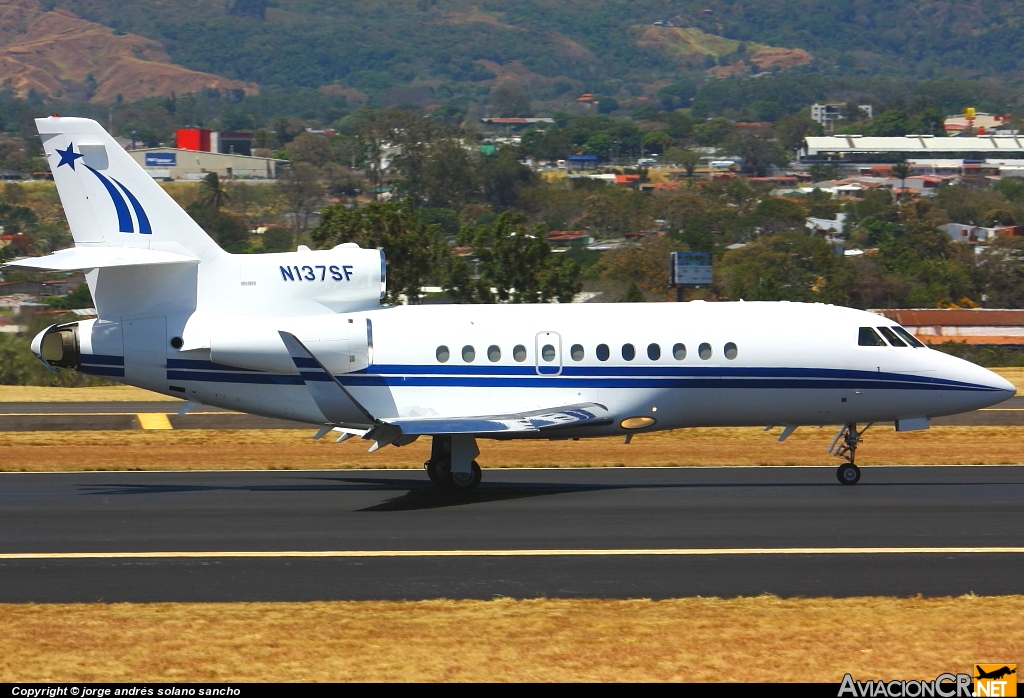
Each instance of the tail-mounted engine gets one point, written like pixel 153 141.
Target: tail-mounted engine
pixel 57 346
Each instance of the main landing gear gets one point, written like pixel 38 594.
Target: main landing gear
pixel 845 446
pixel 451 463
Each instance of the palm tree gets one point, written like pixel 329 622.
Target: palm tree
pixel 901 170
pixel 211 193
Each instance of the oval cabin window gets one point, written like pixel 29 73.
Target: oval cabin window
pixel 679 352
pixel 704 351
pixel 494 353
pixel 443 354
pixel 519 353
pixel 628 352
pixel 602 352
pixel 468 354
pixel 731 352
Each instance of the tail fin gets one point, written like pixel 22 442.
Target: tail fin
pixel 109 200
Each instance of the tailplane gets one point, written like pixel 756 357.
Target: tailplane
pixel 109 200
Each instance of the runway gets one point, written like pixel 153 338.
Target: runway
pixel 74 416
pixel 613 532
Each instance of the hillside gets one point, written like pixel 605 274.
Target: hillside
pixel 556 45
pixel 57 55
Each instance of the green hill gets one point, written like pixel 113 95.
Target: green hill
pixel 427 50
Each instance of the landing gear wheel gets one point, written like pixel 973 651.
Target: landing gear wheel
pixel 464 482
pixel 435 471
pixel 848 474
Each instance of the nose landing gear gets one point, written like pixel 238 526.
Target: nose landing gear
pixel 845 446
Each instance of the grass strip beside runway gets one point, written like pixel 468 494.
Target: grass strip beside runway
pixel 692 639
pixel 289 449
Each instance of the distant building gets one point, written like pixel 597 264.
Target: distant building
pixel 981 122
pixel 973 234
pixel 207 141
pixel 188 164
pixel 828 114
pixel 516 121
pixel 879 149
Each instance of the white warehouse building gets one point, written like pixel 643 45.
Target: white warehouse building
pixel 178 163
pixel 855 148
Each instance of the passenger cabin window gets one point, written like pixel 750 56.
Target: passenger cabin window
pixel 468 354
pixel 679 352
pixel 628 352
pixel 911 339
pixel 731 352
pixel 891 336
pixel 653 352
pixel 443 354
pixel 494 353
pixel 704 351
pixel 602 352
pixel 519 353
pixel 869 338
pixel 547 352
pixel 576 352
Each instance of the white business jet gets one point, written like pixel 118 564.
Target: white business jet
pixel 303 336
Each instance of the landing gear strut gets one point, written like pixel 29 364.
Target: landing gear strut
pixel 845 446
pixel 451 463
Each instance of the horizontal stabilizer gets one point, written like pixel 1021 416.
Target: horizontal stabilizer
pixel 76 258
pixel 536 420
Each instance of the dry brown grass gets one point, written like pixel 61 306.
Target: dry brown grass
pixel 1013 374
pixel 290 449
pixel 694 639
pixel 103 393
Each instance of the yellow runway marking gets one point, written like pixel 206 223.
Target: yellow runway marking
pixel 568 552
pixel 154 420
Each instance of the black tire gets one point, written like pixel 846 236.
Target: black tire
pixel 461 482
pixel 848 474
pixel 436 470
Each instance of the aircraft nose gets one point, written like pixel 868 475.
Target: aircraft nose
pixel 997 382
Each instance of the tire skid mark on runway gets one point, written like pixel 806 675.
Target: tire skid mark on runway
pixel 567 552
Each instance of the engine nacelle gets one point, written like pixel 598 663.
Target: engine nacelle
pixel 343 279
pixel 58 345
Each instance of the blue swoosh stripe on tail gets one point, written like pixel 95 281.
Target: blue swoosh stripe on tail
pixel 140 213
pixel 124 219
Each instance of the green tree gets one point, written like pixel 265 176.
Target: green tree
pixel 892 122
pixel 278 239
pixel 775 215
pixel 902 170
pixel 512 258
pixel 792 266
pixel 301 191
pixel 212 193
pixel 229 231
pixel 416 253
pixel 793 129
pixel 507 101
pixel 689 159
pixel 633 294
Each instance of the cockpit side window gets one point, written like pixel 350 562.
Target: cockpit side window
pixel 869 338
pixel 891 336
pixel 911 339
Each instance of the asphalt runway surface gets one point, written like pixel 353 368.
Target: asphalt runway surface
pixel 92 416
pixel 606 533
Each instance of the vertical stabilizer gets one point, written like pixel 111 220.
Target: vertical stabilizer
pixel 109 200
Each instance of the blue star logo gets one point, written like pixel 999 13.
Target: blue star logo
pixel 68 157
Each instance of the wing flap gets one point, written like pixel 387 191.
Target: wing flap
pixel 536 420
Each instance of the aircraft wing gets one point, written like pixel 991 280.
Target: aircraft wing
pixel 334 400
